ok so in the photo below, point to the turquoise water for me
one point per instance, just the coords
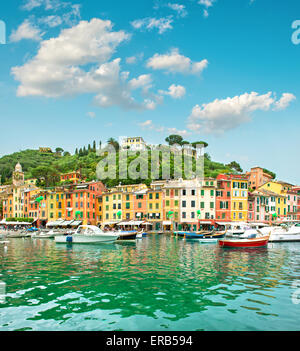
(159, 283)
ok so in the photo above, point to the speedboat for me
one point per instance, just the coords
(289, 231)
(88, 234)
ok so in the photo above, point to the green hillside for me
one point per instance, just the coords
(47, 166)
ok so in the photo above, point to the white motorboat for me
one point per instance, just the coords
(285, 232)
(88, 234)
(234, 228)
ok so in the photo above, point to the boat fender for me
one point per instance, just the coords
(69, 238)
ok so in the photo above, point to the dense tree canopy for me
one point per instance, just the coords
(47, 167)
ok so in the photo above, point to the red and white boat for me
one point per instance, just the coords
(241, 243)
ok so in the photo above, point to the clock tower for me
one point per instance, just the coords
(18, 175)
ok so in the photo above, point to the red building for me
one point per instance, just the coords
(71, 177)
(223, 198)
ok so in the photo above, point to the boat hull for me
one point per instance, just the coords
(85, 239)
(258, 242)
(127, 236)
(284, 237)
(208, 241)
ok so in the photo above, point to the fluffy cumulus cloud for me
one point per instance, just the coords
(78, 61)
(143, 81)
(222, 115)
(175, 91)
(175, 62)
(284, 101)
(161, 24)
(26, 30)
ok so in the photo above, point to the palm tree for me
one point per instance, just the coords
(114, 143)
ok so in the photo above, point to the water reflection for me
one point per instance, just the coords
(159, 282)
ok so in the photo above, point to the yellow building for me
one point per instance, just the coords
(155, 208)
(51, 205)
(239, 198)
(171, 204)
(112, 207)
(31, 181)
(60, 206)
(279, 203)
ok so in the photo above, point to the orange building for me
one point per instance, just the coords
(257, 177)
(140, 204)
(71, 177)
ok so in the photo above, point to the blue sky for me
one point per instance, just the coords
(223, 71)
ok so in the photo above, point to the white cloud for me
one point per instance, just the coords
(223, 115)
(162, 24)
(149, 125)
(26, 31)
(47, 4)
(31, 4)
(284, 101)
(174, 62)
(131, 60)
(59, 68)
(69, 13)
(143, 80)
(51, 21)
(206, 4)
(180, 9)
(175, 91)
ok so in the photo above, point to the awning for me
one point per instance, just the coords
(136, 222)
(123, 223)
(55, 223)
(3, 222)
(131, 223)
(66, 223)
(75, 223)
(109, 223)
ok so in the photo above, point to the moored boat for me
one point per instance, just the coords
(244, 243)
(88, 234)
(286, 232)
(127, 235)
(208, 241)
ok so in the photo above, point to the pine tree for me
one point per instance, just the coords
(76, 151)
(94, 146)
